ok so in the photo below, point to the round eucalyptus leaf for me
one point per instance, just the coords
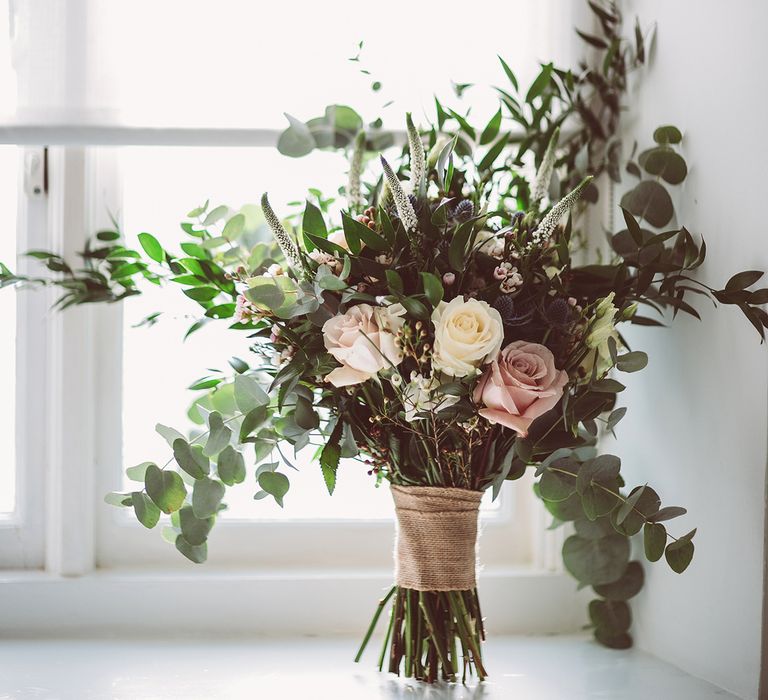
(165, 488)
(206, 497)
(617, 641)
(147, 513)
(665, 163)
(276, 484)
(593, 529)
(194, 529)
(195, 553)
(595, 562)
(649, 200)
(667, 134)
(296, 140)
(627, 586)
(612, 617)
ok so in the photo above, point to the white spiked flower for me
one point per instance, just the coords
(544, 174)
(287, 246)
(354, 198)
(403, 205)
(549, 222)
(418, 158)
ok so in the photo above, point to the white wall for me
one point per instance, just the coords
(696, 426)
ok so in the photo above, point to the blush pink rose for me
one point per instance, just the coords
(519, 386)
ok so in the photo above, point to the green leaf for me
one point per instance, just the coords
(492, 128)
(607, 386)
(206, 497)
(195, 530)
(680, 553)
(457, 251)
(556, 486)
(612, 617)
(170, 435)
(297, 140)
(667, 514)
(218, 435)
(415, 308)
(138, 472)
(433, 288)
(665, 163)
(327, 280)
(628, 506)
(230, 466)
(119, 500)
(152, 247)
(667, 134)
(190, 458)
(442, 160)
(101, 235)
(304, 415)
(238, 365)
(647, 504)
(165, 488)
(632, 361)
(360, 231)
(216, 214)
(147, 513)
(265, 293)
(195, 553)
(313, 221)
(202, 293)
(742, 280)
(276, 484)
(249, 393)
(510, 74)
(253, 420)
(654, 540)
(233, 229)
(540, 83)
(627, 586)
(330, 456)
(394, 282)
(596, 562)
(650, 201)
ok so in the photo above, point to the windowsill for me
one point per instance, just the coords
(519, 667)
(278, 602)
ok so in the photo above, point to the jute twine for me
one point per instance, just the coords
(436, 537)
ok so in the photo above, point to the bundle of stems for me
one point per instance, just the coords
(431, 634)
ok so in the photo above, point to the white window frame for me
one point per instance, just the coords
(84, 346)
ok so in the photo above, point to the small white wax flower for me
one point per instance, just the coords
(396, 379)
(448, 279)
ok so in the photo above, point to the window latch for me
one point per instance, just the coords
(36, 172)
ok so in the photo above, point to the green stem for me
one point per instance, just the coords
(374, 621)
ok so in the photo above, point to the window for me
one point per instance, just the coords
(141, 134)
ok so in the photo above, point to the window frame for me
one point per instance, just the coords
(82, 458)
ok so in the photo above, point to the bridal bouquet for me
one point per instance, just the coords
(451, 330)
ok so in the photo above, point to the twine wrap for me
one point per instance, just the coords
(436, 537)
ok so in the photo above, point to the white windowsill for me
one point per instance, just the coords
(554, 668)
(519, 600)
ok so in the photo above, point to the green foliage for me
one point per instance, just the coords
(165, 488)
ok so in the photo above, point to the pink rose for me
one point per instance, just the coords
(364, 342)
(520, 385)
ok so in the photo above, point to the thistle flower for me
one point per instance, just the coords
(464, 209)
(544, 174)
(418, 158)
(549, 222)
(354, 199)
(403, 205)
(287, 246)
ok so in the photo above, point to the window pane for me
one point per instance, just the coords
(159, 186)
(9, 175)
(244, 64)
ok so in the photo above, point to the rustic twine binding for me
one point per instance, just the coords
(436, 537)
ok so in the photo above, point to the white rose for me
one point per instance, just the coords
(364, 342)
(467, 334)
